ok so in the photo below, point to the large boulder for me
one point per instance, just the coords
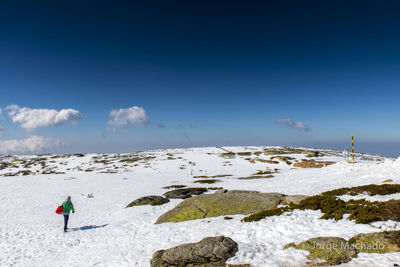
(380, 242)
(185, 192)
(148, 200)
(327, 250)
(336, 250)
(213, 205)
(210, 251)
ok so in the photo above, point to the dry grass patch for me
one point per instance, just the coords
(174, 186)
(245, 154)
(229, 155)
(268, 161)
(220, 175)
(252, 177)
(313, 164)
(207, 181)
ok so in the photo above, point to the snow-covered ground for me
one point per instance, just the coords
(104, 233)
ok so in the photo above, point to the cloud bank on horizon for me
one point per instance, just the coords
(294, 124)
(28, 145)
(31, 119)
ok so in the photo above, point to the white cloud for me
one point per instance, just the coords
(128, 116)
(30, 144)
(31, 119)
(1, 111)
(294, 124)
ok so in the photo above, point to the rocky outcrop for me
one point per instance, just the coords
(335, 250)
(313, 164)
(212, 205)
(210, 251)
(380, 242)
(148, 200)
(328, 250)
(184, 192)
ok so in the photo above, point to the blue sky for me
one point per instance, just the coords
(204, 73)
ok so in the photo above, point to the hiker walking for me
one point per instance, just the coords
(67, 206)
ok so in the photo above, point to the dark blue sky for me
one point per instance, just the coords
(205, 72)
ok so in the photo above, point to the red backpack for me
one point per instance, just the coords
(59, 210)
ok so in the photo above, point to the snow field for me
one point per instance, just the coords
(104, 233)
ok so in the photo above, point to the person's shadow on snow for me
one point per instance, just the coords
(88, 227)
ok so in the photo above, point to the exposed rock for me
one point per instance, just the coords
(156, 260)
(313, 164)
(174, 186)
(335, 250)
(210, 251)
(329, 250)
(212, 205)
(295, 199)
(381, 242)
(148, 200)
(184, 192)
(221, 191)
(207, 181)
(253, 177)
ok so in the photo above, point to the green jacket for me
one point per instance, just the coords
(67, 207)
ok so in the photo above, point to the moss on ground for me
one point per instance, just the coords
(220, 175)
(174, 186)
(245, 154)
(266, 213)
(255, 177)
(334, 250)
(371, 190)
(380, 242)
(328, 250)
(207, 181)
(361, 211)
(130, 160)
(313, 164)
(284, 159)
(229, 155)
(266, 172)
(312, 154)
(268, 161)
